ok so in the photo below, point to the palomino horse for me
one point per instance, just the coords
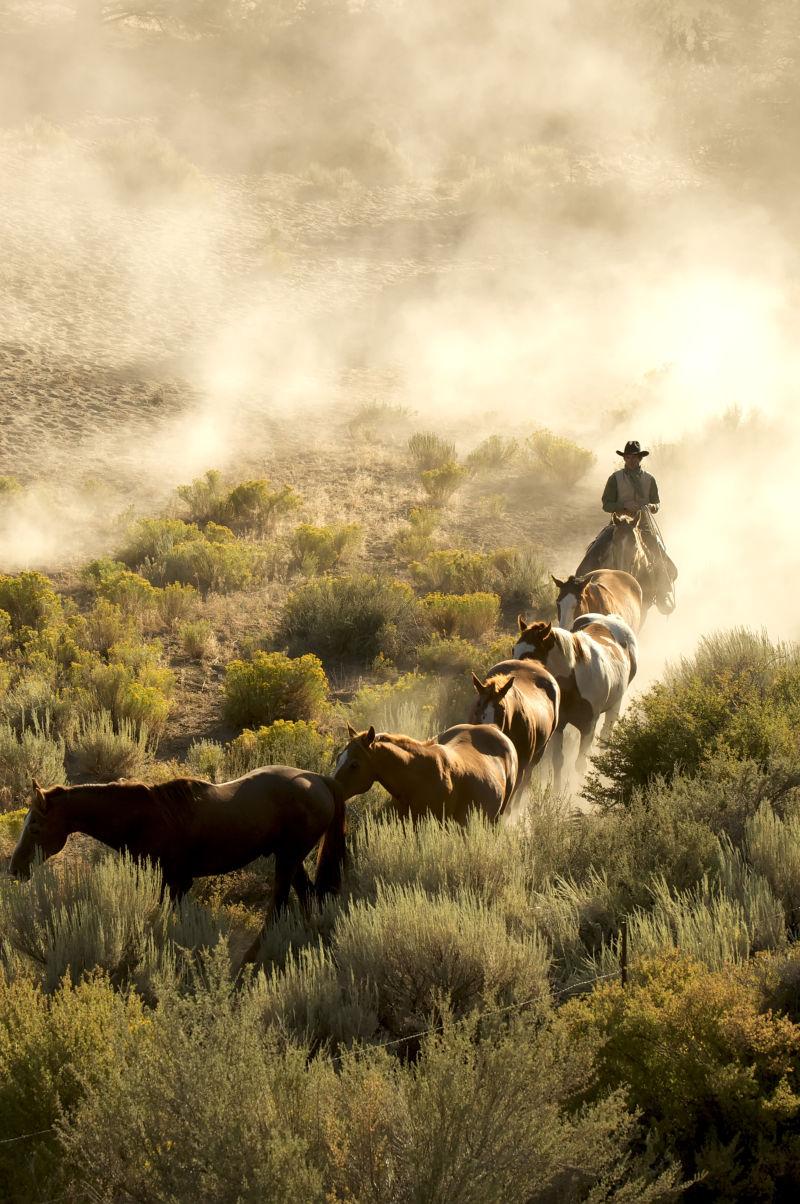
(620, 546)
(522, 698)
(191, 828)
(468, 765)
(602, 592)
(593, 666)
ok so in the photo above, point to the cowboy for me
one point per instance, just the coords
(631, 490)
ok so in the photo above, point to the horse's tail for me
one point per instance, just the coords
(333, 850)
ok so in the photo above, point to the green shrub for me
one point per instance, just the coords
(205, 496)
(518, 578)
(485, 1122)
(176, 603)
(491, 455)
(30, 601)
(33, 753)
(112, 915)
(208, 563)
(142, 163)
(274, 686)
(772, 847)
(253, 506)
(104, 625)
(132, 593)
(103, 750)
(35, 702)
(150, 539)
(320, 549)
(559, 459)
(415, 704)
(351, 618)
(198, 639)
(379, 422)
(97, 573)
(416, 954)
(139, 694)
(469, 616)
(283, 742)
(447, 656)
(52, 1049)
(415, 541)
(428, 450)
(455, 571)
(717, 1081)
(208, 1107)
(441, 483)
(739, 693)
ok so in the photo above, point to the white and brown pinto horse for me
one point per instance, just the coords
(593, 665)
(602, 592)
(523, 699)
(469, 765)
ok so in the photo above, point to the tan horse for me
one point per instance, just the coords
(191, 828)
(593, 667)
(603, 592)
(522, 698)
(469, 765)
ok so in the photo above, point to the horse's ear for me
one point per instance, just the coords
(477, 683)
(351, 731)
(369, 737)
(40, 801)
(636, 521)
(548, 628)
(615, 519)
(558, 584)
(501, 693)
(522, 623)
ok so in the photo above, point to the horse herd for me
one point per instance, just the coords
(558, 675)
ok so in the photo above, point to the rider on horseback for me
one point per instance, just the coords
(631, 491)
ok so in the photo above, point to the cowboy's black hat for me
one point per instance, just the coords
(633, 448)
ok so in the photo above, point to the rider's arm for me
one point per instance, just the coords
(655, 500)
(610, 496)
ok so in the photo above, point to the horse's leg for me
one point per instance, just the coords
(557, 747)
(611, 717)
(304, 888)
(587, 730)
(285, 869)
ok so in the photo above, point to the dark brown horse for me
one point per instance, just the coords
(191, 828)
(602, 592)
(469, 765)
(522, 698)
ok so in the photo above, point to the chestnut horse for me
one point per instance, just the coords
(593, 666)
(603, 592)
(467, 765)
(190, 828)
(522, 698)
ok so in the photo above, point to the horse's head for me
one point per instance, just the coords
(354, 769)
(568, 600)
(535, 640)
(625, 541)
(45, 830)
(490, 706)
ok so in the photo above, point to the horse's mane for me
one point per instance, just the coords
(176, 797)
(498, 679)
(407, 743)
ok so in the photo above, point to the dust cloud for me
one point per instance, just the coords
(218, 220)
